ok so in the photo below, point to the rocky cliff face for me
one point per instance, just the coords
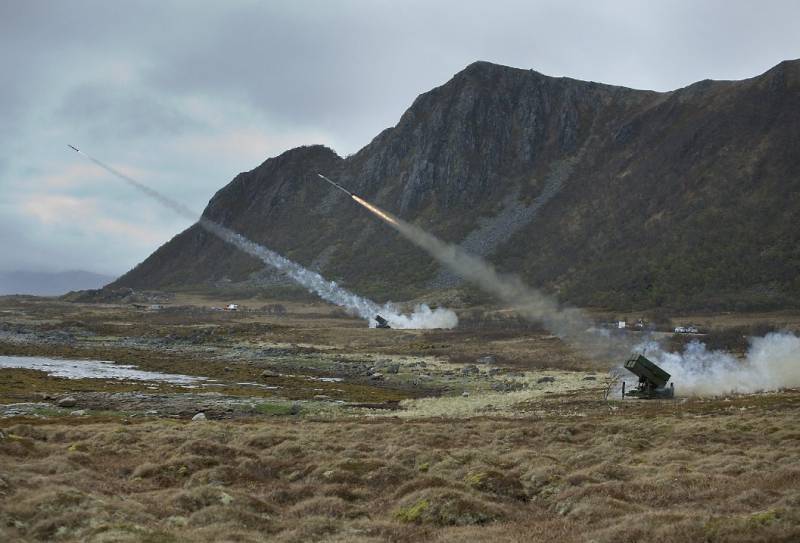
(603, 194)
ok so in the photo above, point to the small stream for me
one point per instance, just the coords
(94, 369)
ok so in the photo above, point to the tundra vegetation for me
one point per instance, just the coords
(318, 429)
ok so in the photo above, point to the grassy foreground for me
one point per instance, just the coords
(714, 470)
(320, 429)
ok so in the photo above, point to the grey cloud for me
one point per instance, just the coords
(108, 111)
(341, 71)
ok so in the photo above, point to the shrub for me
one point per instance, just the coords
(446, 507)
(497, 483)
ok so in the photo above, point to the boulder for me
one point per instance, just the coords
(67, 401)
(199, 417)
(507, 386)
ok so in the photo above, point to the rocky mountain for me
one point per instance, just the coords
(605, 195)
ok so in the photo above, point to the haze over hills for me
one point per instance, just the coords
(605, 195)
(50, 283)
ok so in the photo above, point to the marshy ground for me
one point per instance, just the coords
(318, 429)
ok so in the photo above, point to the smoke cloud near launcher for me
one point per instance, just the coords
(772, 363)
(423, 317)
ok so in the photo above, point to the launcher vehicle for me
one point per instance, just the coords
(381, 322)
(652, 379)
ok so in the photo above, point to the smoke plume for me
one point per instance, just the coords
(570, 324)
(423, 317)
(772, 363)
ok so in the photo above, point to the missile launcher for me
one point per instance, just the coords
(652, 379)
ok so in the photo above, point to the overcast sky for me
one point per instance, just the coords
(182, 95)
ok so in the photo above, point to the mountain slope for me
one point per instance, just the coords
(606, 195)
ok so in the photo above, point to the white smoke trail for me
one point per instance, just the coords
(772, 363)
(423, 316)
(568, 323)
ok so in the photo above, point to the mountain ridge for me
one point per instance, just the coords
(637, 218)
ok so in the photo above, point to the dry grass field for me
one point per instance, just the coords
(437, 449)
(696, 471)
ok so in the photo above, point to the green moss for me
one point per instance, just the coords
(497, 483)
(446, 507)
(475, 479)
(764, 517)
(413, 512)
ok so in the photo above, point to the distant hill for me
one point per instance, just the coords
(604, 195)
(49, 284)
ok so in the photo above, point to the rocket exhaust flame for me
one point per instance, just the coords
(422, 317)
(377, 211)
